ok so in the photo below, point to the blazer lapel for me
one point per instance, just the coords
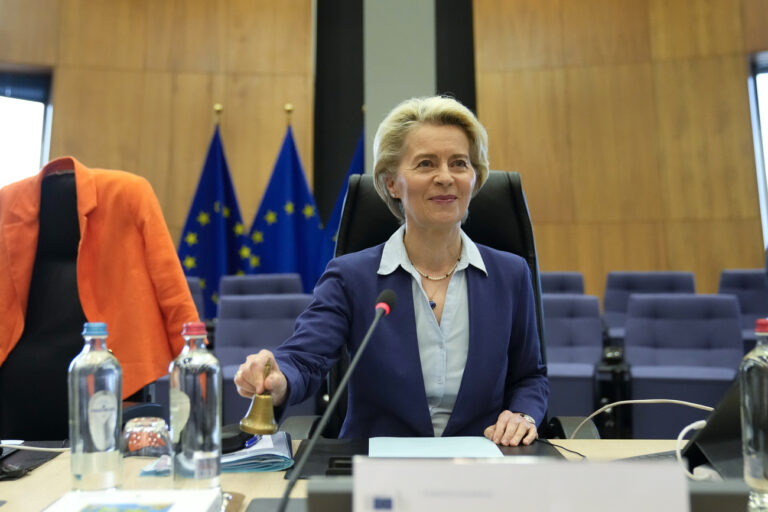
(20, 231)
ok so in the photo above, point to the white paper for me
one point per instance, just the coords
(432, 447)
(207, 500)
(509, 484)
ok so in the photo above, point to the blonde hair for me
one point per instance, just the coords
(389, 143)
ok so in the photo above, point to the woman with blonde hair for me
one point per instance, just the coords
(460, 354)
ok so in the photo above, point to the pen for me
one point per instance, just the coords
(252, 441)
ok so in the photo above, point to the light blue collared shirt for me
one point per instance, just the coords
(442, 347)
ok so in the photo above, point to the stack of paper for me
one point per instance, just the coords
(268, 453)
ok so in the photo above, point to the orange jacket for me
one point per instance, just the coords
(128, 273)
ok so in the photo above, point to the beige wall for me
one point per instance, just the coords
(134, 83)
(629, 122)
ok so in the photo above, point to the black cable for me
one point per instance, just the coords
(553, 445)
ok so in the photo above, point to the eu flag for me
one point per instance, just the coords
(331, 229)
(285, 234)
(213, 242)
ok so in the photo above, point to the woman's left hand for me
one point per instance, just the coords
(510, 429)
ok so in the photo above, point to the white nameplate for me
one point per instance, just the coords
(517, 483)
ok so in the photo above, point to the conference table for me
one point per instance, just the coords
(45, 484)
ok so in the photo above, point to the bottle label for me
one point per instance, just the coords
(102, 419)
(179, 412)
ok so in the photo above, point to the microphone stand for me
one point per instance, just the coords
(380, 312)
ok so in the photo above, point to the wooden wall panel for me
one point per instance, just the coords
(687, 28)
(706, 248)
(135, 82)
(192, 125)
(29, 31)
(254, 136)
(572, 247)
(96, 118)
(705, 140)
(106, 34)
(514, 34)
(154, 143)
(605, 32)
(613, 152)
(657, 170)
(266, 36)
(186, 35)
(528, 132)
(754, 21)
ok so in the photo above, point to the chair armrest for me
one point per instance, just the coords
(561, 427)
(300, 427)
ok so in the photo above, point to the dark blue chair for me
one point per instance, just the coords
(750, 287)
(196, 289)
(247, 324)
(562, 282)
(683, 347)
(574, 346)
(620, 285)
(260, 284)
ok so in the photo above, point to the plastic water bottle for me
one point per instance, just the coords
(95, 410)
(753, 375)
(195, 389)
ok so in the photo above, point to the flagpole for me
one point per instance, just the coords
(288, 111)
(218, 108)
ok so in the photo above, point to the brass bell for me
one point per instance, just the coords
(261, 415)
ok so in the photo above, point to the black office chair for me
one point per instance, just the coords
(498, 217)
(33, 378)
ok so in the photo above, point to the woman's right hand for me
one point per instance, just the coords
(250, 379)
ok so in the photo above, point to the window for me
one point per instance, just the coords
(24, 124)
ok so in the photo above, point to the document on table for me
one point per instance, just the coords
(432, 447)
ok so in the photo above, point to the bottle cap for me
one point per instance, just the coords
(194, 329)
(761, 325)
(94, 329)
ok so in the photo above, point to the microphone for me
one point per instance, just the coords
(384, 304)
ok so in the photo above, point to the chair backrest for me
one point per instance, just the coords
(574, 330)
(196, 289)
(683, 330)
(260, 283)
(620, 285)
(53, 323)
(247, 322)
(562, 282)
(750, 287)
(498, 217)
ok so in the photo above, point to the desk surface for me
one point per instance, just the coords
(45, 484)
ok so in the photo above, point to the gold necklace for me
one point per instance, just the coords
(427, 276)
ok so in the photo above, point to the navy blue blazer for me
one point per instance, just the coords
(386, 392)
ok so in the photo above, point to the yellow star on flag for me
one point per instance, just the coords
(191, 238)
(255, 261)
(308, 210)
(226, 212)
(289, 207)
(190, 262)
(245, 252)
(257, 237)
(203, 218)
(215, 298)
(240, 272)
(239, 229)
(270, 217)
(202, 283)
(217, 206)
